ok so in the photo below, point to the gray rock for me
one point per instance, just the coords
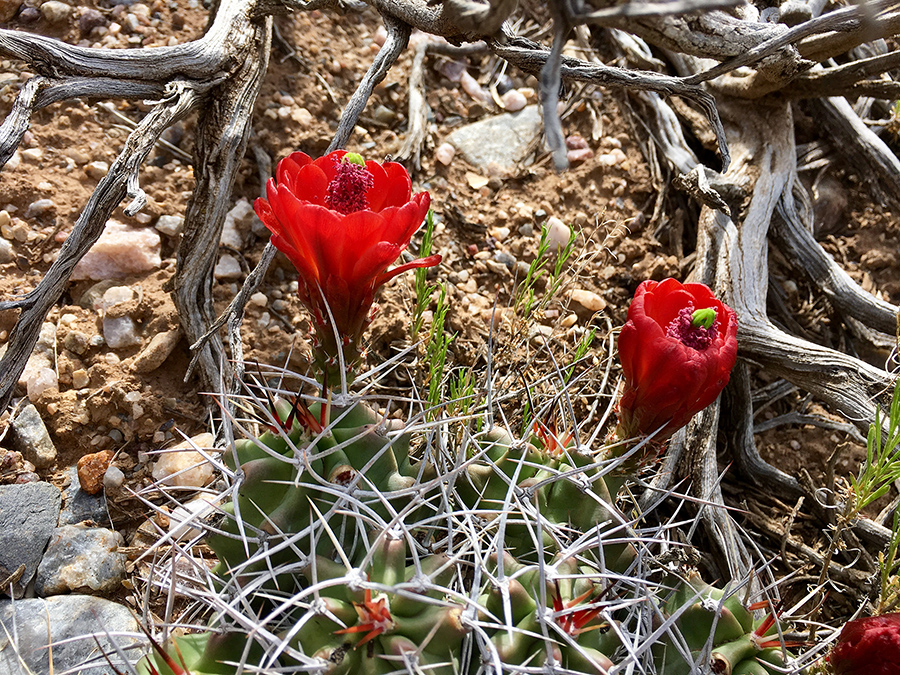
(170, 225)
(39, 207)
(90, 19)
(79, 506)
(500, 142)
(28, 515)
(31, 438)
(81, 558)
(25, 634)
(120, 332)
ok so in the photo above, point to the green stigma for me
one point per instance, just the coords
(703, 318)
(354, 158)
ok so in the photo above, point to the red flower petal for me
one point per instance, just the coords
(667, 381)
(341, 258)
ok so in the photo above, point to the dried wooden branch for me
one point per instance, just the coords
(182, 99)
(531, 57)
(219, 74)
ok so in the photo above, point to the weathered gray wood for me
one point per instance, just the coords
(220, 73)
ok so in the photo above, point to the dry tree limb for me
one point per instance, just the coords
(861, 147)
(116, 185)
(417, 116)
(848, 78)
(808, 257)
(531, 57)
(223, 131)
(218, 73)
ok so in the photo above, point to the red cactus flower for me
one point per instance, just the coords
(868, 646)
(677, 350)
(374, 619)
(342, 222)
(572, 620)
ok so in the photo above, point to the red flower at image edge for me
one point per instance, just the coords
(676, 358)
(342, 223)
(868, 646)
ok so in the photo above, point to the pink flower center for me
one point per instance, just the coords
(347, 191)
(684, 329)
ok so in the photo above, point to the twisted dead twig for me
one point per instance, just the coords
(218, 73)
(87, 230)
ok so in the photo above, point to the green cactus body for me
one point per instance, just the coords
(576, 502)
(737, 645)
(373, 625)
(274, 503)
(209, 653)
(579, 640)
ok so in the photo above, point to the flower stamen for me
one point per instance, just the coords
(348, 190)
(694, 329)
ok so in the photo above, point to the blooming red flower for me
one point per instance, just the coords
(868, 646)
(342, 222)
(677, 350)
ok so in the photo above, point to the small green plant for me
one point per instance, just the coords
(526, 300)
(888, 568)
(876, 475)
(462, 398)
(424, 290)
(580, 350)
(436, 351)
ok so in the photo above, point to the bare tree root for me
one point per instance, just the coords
(121, 181)
(219, 73)
(224, 127)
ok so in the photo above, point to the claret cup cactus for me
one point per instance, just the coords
(354, 542)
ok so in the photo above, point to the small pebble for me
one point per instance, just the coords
(113, 478)
(578, 156)
(55, 12)
(513, 100)
(499, 233)
(91, 469)
(259, 299)
(576, 142)
(76, 342)
(588, 299)
(227, 268)
(115, 296)
(7, 253)
(80, 379)
(444, 153)
(96, 170)
(29, 15)
(170, 225)
(183, 466)
(5, 218)
(612, 158)
(182, 517)
(569, 320)
(39, 208)
(120, 332)
(558, 233)
(473, 89)
(32, 154)
(13, 162)
(90, 19)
